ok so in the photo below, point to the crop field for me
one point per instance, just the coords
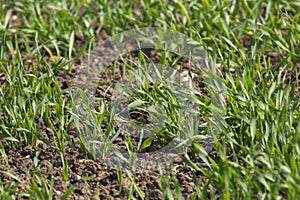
(195, 99)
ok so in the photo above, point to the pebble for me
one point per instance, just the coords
(77, 177)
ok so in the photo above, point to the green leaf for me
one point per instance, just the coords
(71, 44)
(68, 193)
(146, 143)
(253, 128)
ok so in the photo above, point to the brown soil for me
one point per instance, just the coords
(101, 181)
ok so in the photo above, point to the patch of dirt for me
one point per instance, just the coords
(91, 178)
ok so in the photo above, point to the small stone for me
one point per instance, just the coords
(77, 177)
